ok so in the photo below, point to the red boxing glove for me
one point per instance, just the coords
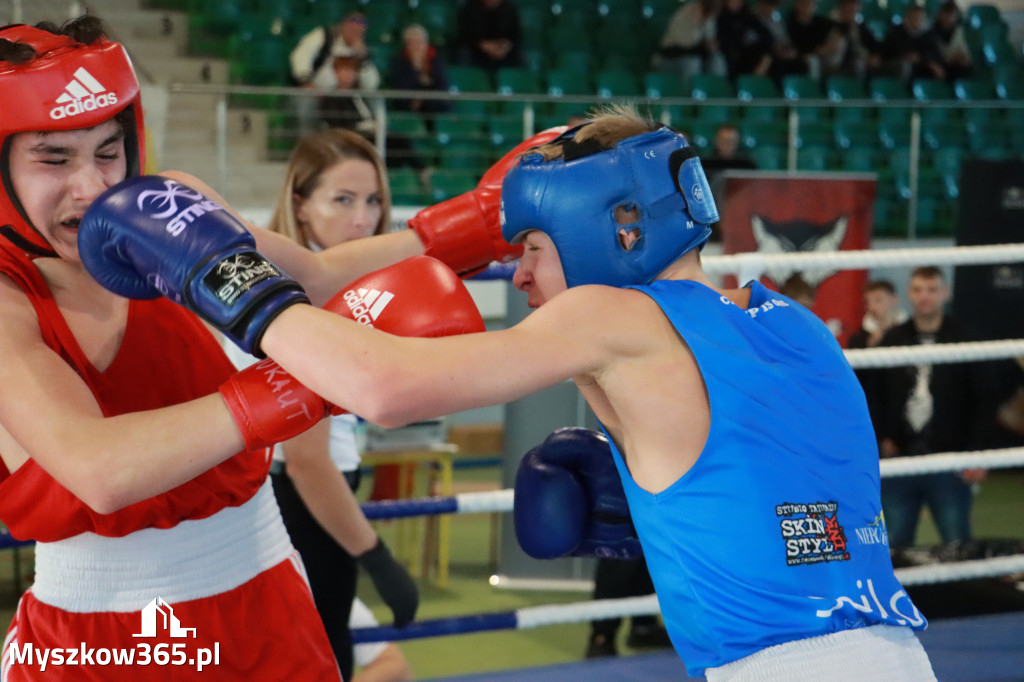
(270, 405)
(464, 232)
(419, 296)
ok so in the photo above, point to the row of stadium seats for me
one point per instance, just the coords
(570, 36)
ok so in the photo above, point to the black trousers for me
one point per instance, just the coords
(617, 579)
(332, 571)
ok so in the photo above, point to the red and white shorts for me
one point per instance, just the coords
(222, 598)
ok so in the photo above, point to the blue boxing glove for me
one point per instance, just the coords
(150, 236)
(569, 500)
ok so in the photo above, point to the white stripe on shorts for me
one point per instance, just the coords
(198, 558)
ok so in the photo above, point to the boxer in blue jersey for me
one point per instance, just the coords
(738, 430)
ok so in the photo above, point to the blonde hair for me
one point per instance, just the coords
(607, 126)
(313, 155)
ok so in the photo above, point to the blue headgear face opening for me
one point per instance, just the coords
(574, 200)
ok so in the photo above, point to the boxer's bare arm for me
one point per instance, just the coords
(321, 274)
(49, 414)
(391, 380)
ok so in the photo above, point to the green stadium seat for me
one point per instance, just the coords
(894, 133)
(562, 82)
(504, 132)
(708, 86)
(981, 14)
(559, 7)
(406, 189)
(946, 162)
(756, 133)
(813, 158)
(617, 83)
(472, 157)
(855, 134)
(884, 89)
(535, 59)
(662, 84)
(575, 60)
(815, 134)
(265, 61)
(797, 88)
(618, 7)
(437, 16)
(752, 88)
(448, 183)
(562, 37)
(469, 79)
(517, 81)
(859, 159)
(769, 157)
(932, 90)
(455, 129)
(700, 135)
(384, 21)
(221, 17)
(843, 89)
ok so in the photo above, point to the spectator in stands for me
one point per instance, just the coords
(814, 37)
(743, 40)
(925, 409)
(490, 34)
(420, 66)
(860, 51)
(947, 33)
(909, 52)
(726, 154)
(799, 289)
(882, 313)
(312, 62)
(782, 57)
(349, 110)
(689, 45)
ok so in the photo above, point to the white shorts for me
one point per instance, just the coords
(879, 652)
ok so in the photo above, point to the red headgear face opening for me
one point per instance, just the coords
(67, 86)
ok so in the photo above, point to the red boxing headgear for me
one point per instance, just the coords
(68, 86)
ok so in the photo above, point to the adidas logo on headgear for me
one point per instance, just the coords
(367, 304)
(83, 93)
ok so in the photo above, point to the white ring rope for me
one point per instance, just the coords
(852, 260)
(600, 609)
(938, 353)
(961, 570)
(1003, 458)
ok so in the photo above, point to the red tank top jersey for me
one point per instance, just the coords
(166, 357)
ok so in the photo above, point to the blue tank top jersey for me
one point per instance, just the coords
(776, 533)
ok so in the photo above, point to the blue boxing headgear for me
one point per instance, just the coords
(573, 200)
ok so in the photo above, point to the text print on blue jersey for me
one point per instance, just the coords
(812, 533)
(867, 589)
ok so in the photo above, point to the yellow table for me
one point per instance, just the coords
(441, 457)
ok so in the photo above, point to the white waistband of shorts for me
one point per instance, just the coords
(194, 559)
(876, 652)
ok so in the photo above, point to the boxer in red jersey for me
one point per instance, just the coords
(129, 449)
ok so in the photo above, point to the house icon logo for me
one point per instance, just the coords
(160, 612)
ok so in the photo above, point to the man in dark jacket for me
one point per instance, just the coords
(929, 408)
